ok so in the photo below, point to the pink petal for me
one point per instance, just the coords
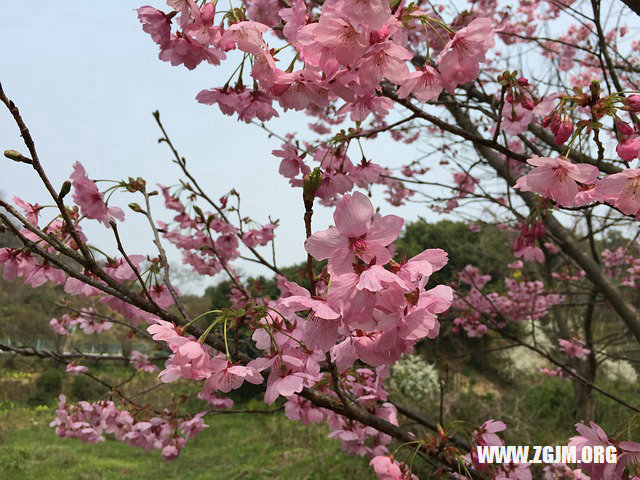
(323, 244)
(353, 215)
(385, 230)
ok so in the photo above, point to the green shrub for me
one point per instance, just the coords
(84, 388)
(48, 387)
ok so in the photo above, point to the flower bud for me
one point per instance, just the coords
(564, 131)
(198, 211)
(528, 104)
(518, 244)
(17, 157)
(623, 127)
(65, 189)
(633, 102)
(136, 208)
(539, 230)
(628, 149)
(312, 182)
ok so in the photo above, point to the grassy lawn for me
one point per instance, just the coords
(238, 446)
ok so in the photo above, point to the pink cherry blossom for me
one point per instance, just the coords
(161, 295)
(622, 190)
(247, 36)
(141, 361)
(387, 468)
(295, 18)
(215, 401)
(387, 60)
(43, 273)
(556, 178)
(32, 211)
(365, 13)
(227, 377)
(459, 61)
(331, 40)
(156, 24)
(425, 85)
(573, 348)
(184, 50)
(363, 106)
(628, 148)
(356, 234)
(302, 410)
(73, 369)
(90, 199)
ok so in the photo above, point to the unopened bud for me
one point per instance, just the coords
(65, 189)
(624, 127)
(528, 104)
(17, 157)
(312, 182)
(136, 208)
(633, 102)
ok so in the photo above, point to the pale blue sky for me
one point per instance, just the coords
(86, 79)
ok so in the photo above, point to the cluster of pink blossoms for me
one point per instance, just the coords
(140, 361)
(627, 453)
(623, 265)
(85, 320)
(20, 262)
(486, 436)
(207, 242)
(90, 422)
(576, 184)
(524, 245)
(523, 301)
(359, 310)
(346, 51)
(573, 348)
(364, 305)
(355, 438)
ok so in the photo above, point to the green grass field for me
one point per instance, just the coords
(238, 446)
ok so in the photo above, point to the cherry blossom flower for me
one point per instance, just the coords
(459, 61)
(573, 348)
(32, 211)
(356, 234)
(141, 361)
(73, 369)
(184, 50)
(425, 85)
(556, 178)
(332, 39)
(227, 377)
(364, 13)
(387, 468)
(247, 36)
(90, 200)
(295, 18)
(622, 190)
(215, 401)
(302, 410)
(155, 23)
(43, 273)
(161, 295)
